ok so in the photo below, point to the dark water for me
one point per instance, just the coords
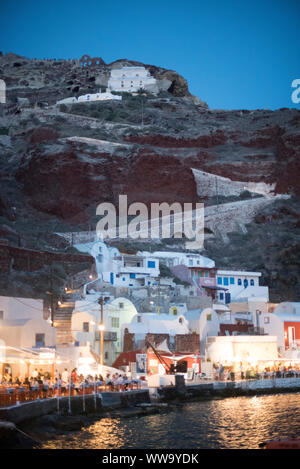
(241, 423)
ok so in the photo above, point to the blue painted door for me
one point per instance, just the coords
(112, 278)
(227, 298)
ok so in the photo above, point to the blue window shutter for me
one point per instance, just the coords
(219, 280)
(151, 265)
(231, 280)
(225, 280)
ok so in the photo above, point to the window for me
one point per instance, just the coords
(106, 355)
(1, 314)
(226, 281)
(239, 281)
(40, 340)
(124, 279)
(151, 264)
(121, 305)
(266, 320)
(115, 322)
(190, 261)
(252, 282)
(139, 319)
(85, 327)
(221, 296)
(206, 274)
(220, 281)
(231, 280)
(208, 317)
(132, 275)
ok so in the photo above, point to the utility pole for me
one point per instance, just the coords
(142, 112)
(217, 194)
(101, 330)
(158, 309)
(51, 298)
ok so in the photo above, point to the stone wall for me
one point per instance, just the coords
(128, 342)
(225, 218)
(209, 185)
(187, 343)
(156, 339)
(15, 258)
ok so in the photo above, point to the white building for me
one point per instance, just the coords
(107, 96)
(22, 323)
(173, 258)
(241, 348)
(2, 92)
(240, 286)
(284, 323)
(151, 323)
(85, 98)
(130, 79)
(23, 333)
(134, 271)
(122, 270)
(86, 319)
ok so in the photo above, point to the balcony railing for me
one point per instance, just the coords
(108, 336)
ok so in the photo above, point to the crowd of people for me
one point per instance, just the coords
(244, 371)
(41, 384)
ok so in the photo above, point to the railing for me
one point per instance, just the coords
(11, 395)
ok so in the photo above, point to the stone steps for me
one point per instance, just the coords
(62, 322)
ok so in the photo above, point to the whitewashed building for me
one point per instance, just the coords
(240, 286)
(23, 332)
(2, 92)
(22, 323)
(107, 96)
(173, 258)
(130, 79)
(241, 348)
(91, 97)
(85, 322)
(284, 323)
(152, 323)
(122, 270)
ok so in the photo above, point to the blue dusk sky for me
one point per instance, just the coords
(234, 54)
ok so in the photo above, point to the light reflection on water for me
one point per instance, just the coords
(240, 423)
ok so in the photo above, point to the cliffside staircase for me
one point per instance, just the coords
(62, 322)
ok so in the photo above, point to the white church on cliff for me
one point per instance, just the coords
(130, 79)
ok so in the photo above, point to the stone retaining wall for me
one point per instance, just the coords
(78, 405)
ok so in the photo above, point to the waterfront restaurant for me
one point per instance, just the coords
(15, 361)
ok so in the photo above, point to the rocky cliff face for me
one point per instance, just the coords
(58, 164)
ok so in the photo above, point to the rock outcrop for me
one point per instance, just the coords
(57, 164)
